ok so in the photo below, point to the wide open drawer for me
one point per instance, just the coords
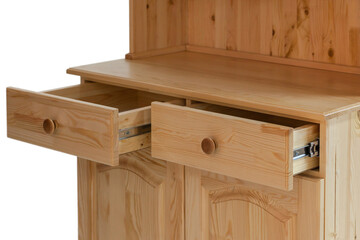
(93, 121)
(246, 145)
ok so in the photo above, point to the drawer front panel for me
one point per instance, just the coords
(246, 149)
(83, 129)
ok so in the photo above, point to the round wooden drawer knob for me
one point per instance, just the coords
(49, 126)
(208, 145)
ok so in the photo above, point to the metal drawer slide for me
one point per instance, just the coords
(310, 150)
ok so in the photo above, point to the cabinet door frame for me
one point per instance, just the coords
(301, 211)
(165, 180)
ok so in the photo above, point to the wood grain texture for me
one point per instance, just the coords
(252, 85)
(134, 118)
(156, 24)
(273, 59)
(318, 31)
(156, 52)
(123, 99)
(251, 150)
(134, 143)
(137, 117)
(294, 123)
(342, 193)
(142, 198)
(86, 174)
(227, 208)
(82, 120)
(84, 129)
(303, 131)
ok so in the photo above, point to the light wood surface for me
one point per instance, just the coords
(156, 52)
(84, 129)
(253, 80)
(294, 123)
(318, 31)
(303, 134)
(134, 143)
(251, 150)
(342, 193)
(272, 59)
(156, 25)
(82, 120)
(87, 196)
(135, 117)
(220, 207)
(263, 87)
(142, 198)
(322, 35)
(116, 97)
(128, 101)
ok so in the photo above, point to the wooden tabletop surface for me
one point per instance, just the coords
(297, 92)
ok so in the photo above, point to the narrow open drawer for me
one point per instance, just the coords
(246, 145)
(93, 121)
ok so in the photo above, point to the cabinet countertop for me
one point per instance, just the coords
(290, 91)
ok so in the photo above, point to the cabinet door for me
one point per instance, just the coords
(223, 208)
(141, 199)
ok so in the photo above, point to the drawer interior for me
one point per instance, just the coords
(123, 99)
(303, 132)
(134, 106)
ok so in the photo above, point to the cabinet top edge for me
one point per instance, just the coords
(297, 92)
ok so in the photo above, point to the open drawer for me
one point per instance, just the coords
(255, 147)
(93, 121)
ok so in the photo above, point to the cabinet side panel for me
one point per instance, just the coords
(342, 194)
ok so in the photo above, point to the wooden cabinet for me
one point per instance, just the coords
(141, 199)
(261, 85)
(220, 207)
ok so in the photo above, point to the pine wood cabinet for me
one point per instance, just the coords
(236, 119)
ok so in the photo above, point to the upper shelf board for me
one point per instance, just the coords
(259, 86)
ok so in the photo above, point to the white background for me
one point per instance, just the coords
(39, 40)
